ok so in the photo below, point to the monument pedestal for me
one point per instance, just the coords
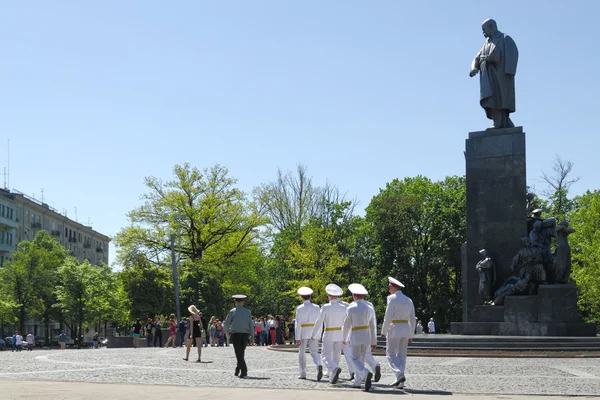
(552, 312)
(496, 215)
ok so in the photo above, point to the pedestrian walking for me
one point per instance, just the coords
(329, 324)
(360, 331)
(306, 315)
(30, 339)
(373, 364)
(172, 331)
(264, 333)
(195, 333)
(158, 331)
(291, 331)
(136, 331)
(13, 341)
(239, 327)
(431, 326)
(19, 341)
(181, 330)
(398, 329)
(95, 340)
(149, 329)
(272, 329)
(419, 329)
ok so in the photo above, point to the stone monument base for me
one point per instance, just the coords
(552, 312)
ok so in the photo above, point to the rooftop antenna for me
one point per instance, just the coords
(89, 221)
(5, 178)
(76, 214)
(42, 195)
(8, 172)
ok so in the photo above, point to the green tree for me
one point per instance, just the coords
(585, 244)
(417, 229)
(30, 276)
(149, 287)
(77, 294)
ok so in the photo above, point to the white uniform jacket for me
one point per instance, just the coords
(306, 316)
(359, 325)
(399, 320)
(332, 316)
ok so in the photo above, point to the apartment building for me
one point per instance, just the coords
(22, 217)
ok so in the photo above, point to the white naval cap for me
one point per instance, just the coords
(334, 290)
(305, 291)
(537, 211)
(357, 288)
(239, 296)
(395, 282)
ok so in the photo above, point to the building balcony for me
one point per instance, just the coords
(6, 248)
(55, 233)
(87, 245)
(7, 224)
(99, 250)
(36, 225)
(72, 240)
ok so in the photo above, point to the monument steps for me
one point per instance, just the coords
(464, 342)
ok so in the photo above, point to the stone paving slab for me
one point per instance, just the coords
(20, 390)
(278, 370)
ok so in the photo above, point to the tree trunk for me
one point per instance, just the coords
(22, 319)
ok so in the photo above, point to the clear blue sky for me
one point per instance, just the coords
(95, 95)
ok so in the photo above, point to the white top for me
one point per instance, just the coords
(399, 317)
(30, 339)
(19, 340)
(330, 322)
(306, 317)
(431, 326)
(360, 315)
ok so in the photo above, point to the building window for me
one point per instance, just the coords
(27, 216)
(66, 231)
(26, 234)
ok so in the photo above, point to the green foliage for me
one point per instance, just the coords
(149, 288)
(417, 228)
(585, 244)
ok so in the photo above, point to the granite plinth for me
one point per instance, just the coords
(496, 215)
(524, 328)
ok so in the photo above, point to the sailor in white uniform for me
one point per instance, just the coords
(347, 350)
(306, 316)
(329, 324)
(398, 327)
(369, 359)
(360, 330)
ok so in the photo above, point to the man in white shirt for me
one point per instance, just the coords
(360, 330)
(306, 316)
(369, 359)
(19, 341)
(431, 326)
(30, 341)
(329, 324)
(398, 328)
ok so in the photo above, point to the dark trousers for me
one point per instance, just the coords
(239, 342)
(182, 338)
(158, 338)
(149, 340)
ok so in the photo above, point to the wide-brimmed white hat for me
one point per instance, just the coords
(239, 296)
(192, 309)
(334, 290)
(395, 282)
(357, 288)
(305, 291)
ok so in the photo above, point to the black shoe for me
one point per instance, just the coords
(397, 382)
(185, 359)
(198, 361)
(351, 376)
(336, 376)
(319, 373)
(237, 371)
(368, 381)
(243, 375)
(377, 373)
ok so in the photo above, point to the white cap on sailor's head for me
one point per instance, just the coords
(238, 296)
(305, 291)
(334, 290)
(395, 282)
(536, 211)
(357, 288)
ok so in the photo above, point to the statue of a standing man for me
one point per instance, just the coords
(496, 63)
(487, 275)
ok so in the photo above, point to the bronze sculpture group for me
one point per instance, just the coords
(534, 264)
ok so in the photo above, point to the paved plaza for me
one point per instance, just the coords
(278, 370)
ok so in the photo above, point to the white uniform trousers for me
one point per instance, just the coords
(348, 357)
(370, 360)
(359, 351)
(331, 353)
(395, 351)
(313, 348)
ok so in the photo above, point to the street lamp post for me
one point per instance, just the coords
(175, 278)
